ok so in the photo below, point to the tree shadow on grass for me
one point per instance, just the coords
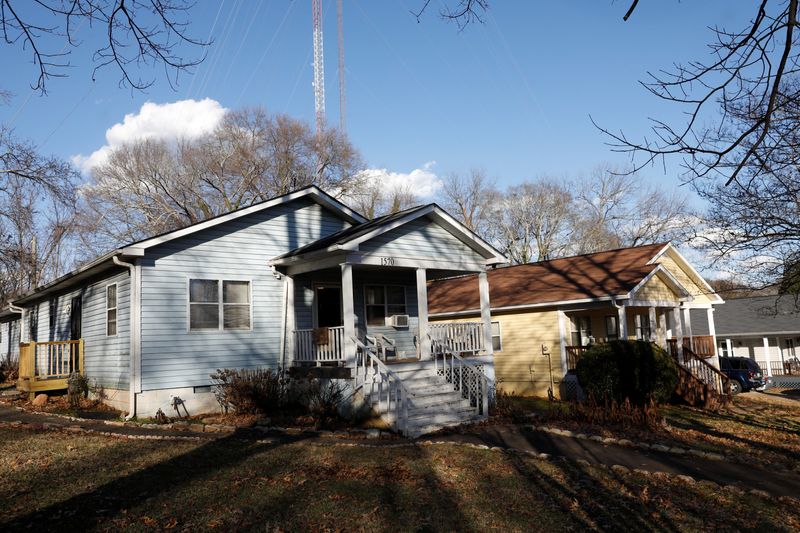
(152, 482)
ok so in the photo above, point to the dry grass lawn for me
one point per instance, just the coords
(66, 481)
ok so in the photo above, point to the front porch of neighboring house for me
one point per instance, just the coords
(46, 366)
(668, 326)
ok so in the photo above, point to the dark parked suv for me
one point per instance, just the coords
(745, 374)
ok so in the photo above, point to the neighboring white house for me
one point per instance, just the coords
(765, 329)
(300, 281)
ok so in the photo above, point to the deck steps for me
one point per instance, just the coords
(434, 403)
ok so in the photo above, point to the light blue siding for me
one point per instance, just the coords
(422, 238)
(107, 358)
(174, 357)
(9, 340)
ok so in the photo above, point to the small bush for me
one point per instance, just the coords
(625, 414)
(506, 405)
(323, 401)
(9, 370)
(77, 388)
(249, 391)
(636, 371)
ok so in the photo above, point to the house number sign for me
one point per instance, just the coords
(387, 261)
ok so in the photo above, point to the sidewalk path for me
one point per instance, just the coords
(721, 472)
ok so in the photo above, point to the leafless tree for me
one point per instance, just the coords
(472, 199)
(371, 196)
(614, 209)
(36, 215)
(533, 220)
(133, 33)
(150, 186)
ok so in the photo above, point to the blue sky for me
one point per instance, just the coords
(512, 96)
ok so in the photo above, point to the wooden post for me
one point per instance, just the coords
(678, 333)
(422, 314)
(687, 326)
(651, 317)
(348, 316)
(81, 358)
(623, 322)
(712, 330)
(288, 344)
(486, 312)
(766, 356)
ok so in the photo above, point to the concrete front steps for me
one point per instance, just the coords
(434, 404)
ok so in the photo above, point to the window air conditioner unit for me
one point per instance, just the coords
(400, 321)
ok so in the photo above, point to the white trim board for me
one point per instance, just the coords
(313, 193)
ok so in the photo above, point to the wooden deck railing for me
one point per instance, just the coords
(705, 372)
(458, 337)
(573, 354)
(308, 347)
(47, 365)
(703, 345)
(785, 368)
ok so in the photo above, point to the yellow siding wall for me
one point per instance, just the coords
(684, 278)
(521, 367)
(657, 290)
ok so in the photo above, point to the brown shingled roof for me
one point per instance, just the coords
(602, 274)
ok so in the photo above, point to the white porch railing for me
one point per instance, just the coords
(465, 377)
(307, 349)
(382, 387)
(458, 337)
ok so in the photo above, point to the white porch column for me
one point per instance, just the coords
(651, 315)
(288, 343)
(729, 345)
(348, 316)
(662, 326)
(486, 312)
(623, 322)
(712, 330)
(687, 326)
(562, 333)
(677, 329)
(767, 358)
(422, 313)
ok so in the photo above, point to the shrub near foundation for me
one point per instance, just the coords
(637, 371)
(250, 391)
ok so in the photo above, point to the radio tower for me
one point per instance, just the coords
(341, 65)
(319, 67)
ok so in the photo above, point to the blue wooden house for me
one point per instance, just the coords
(299, 281)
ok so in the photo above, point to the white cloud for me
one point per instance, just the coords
(184, 119)
(422, 182)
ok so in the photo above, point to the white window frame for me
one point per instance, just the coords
(115, 308)
(386, 314)
(221, 321)
(639, 321)
(615, 319)
(499, 336)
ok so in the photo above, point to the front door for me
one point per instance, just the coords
(328, 306)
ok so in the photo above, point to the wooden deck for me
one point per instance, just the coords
(46, 366)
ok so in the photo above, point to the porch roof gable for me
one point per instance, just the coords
(349, 239)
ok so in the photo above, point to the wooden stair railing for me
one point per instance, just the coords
(701, 383)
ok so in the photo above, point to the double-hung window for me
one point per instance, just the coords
(611, 327)
(581, 331)
(219, 304)
(384, 301)
(497, 338)
(111, 310)
(643, 327)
